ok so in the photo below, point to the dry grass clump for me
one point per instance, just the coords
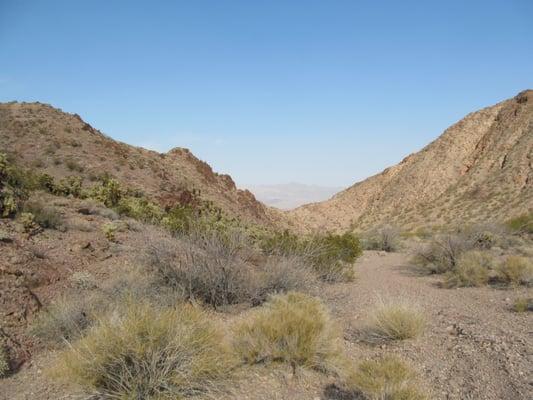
(64, 320)
(45, 216)
(523, 304)
(292, 328)
(472, 269)
(394, 320)
(385, 238)
(4, 361)
(387, 378)
(515, 270)
(149, 353)
(283, 274)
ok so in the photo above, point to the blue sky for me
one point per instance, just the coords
(318, 92)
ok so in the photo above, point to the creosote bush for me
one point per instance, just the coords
(522, 224)
(385, 238)
(387, 378)
(394, 320)
(330, 255)
(442, 253)
(292, 328)
(204, 268)
(515, 270)
(151, 354)
(472, 269)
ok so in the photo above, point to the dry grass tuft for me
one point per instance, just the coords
(523, 304)
(394, 320)
(149, 353)
(293, 328)
(4, 361)
(388, 378)
(472, 269)
(515, 270)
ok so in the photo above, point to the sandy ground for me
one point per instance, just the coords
(474, 347)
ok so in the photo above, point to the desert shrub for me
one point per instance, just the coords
(148, 353)
(282, 274)
(385, 238)
(43, 215)
(73, 165)
(330, 255)
(292, 328)
(4, 361)
(385, 378)
(202, 267)
(69, 186)
(515, 270)
(83, 280)
(27, 220)
(442, 253)
(521, 224)
(66, 319)
(140, 209)
(13, 187)
(472, 269)
(523, 304)
(110, 230)
(394, 320)
(108, 192)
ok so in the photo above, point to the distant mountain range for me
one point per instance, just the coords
(290, 195)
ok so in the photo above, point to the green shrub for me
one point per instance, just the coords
(108, 192)
(472, 269)
(523, 304)
(394, 320)
(140, 209)
(148, 353)
(387, 378)
(69, 186)
(292, 328)
(45, 216)
(330, 255)
(13, 187)
(27, 220)
(110, 230)
(515, 270)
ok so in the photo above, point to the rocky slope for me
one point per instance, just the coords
(62, 144)
(479, 169)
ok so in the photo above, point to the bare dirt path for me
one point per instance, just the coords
(474, 347)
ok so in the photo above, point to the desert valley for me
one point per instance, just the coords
(131, 274)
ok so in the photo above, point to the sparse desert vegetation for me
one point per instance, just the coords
(172, 283)
(386, 378)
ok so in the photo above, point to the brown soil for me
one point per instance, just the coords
(474, 347)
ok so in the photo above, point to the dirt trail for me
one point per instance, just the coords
(474, 346)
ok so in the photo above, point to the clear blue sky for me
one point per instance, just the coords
(319, 92)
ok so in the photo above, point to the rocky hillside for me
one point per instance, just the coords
(479, 169)
(62, 144)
